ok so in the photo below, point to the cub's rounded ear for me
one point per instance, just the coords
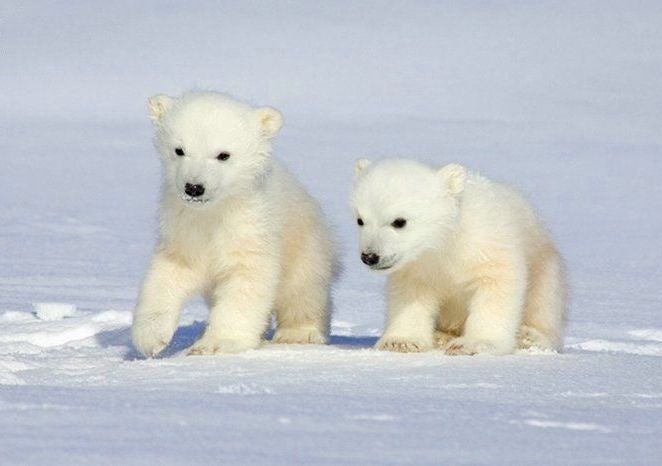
(360, 165)
(270, 121)
(159, 105)
(454, 177)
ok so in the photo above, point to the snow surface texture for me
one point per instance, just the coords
(562, 99)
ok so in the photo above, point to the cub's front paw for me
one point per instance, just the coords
(463, 346)
(207, 345)
(442, 338)
(151, 336)
(301, 336)
(530, 338)
(402, 345)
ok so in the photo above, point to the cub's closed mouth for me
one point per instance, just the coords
(382, 267)
(195, 200)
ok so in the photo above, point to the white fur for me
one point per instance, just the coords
(255, 242)
(472, 271)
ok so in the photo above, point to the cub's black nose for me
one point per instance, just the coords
(369, 259)
(194, 190)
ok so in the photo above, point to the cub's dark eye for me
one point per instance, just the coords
(179, 151)
(223, 156)
(359, 221)
(399, 223)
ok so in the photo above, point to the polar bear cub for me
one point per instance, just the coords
(470, 267)
(235, 227)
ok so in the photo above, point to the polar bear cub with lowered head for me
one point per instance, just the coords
(236, 227)
(470, 267)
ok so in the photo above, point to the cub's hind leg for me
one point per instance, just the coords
(542, 325)
(303, 303)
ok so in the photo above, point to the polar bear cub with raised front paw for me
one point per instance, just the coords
(470, 267)
(235, 227)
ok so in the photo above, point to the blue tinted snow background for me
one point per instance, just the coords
(561, 99)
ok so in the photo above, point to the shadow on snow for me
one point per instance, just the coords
(186, 335)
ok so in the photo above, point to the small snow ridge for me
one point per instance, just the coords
(244, 389)
(651, 334)
(644, 349)
(57, 325)
(342, 328)
(7, 369)
(342, 324)
(374, 417)
(470, 385)
(645, 395)
(13, 366)
(647, 349)
(115, 317)
(567, 425)
(48, 339)
(53, 311)
(583, 394)
(32, 407)
(16, 316)
(7, 378)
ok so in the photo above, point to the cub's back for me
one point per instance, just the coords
(498, 215)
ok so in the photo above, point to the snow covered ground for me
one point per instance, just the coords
(562, 99)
